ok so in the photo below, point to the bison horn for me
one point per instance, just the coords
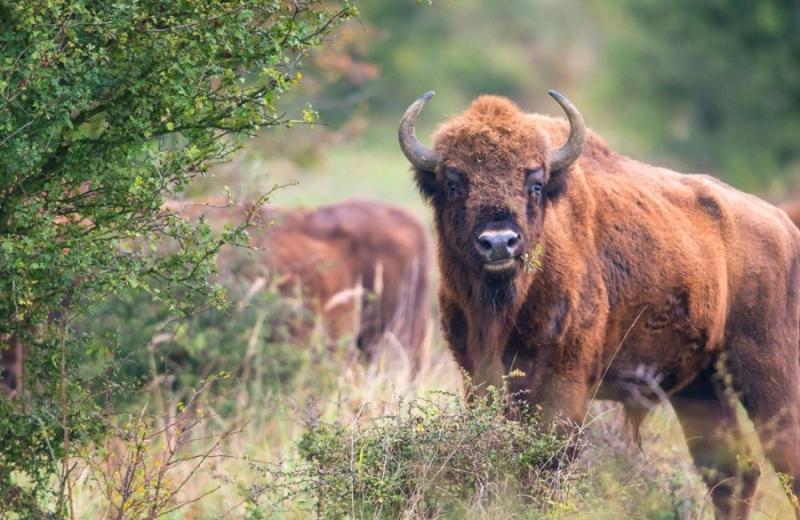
(422, 158)
(569, 153)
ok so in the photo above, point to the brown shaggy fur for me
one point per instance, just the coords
(650, 283)
(362, 266)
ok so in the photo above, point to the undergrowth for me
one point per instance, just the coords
(433, 457)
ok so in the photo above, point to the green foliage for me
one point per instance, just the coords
(252, 337)
(716, 83)
(108, 108)
(435, 457)
(459, 49)
(105, 109)
(532, 261)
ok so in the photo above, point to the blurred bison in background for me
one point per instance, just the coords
(577, 273)
(792, 208)
(362, 267)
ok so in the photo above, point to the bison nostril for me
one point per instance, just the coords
(484, 244)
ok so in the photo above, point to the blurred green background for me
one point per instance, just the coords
(708, 87)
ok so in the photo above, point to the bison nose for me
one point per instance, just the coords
(497, 244)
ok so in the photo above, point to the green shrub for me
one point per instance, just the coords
(435, 457)
(251, 338)
(106, 109)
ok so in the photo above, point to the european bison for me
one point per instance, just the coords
(362, 266)
(590, 274)
(792, 209)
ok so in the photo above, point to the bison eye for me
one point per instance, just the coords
(452, 188)
(534, 180)
(454, 181)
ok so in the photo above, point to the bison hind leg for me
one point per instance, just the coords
(768, 381)
(715, 440)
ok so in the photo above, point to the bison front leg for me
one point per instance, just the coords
(563, 402)
(559, 401)
(715, 441)
(556, 392)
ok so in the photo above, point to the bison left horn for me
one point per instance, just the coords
(562, 158)
(422, 158)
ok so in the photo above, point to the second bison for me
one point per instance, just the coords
(361, 266)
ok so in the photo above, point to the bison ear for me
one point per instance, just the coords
(428, 186)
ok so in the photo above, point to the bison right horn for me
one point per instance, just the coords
(422, 158)
(562, 158)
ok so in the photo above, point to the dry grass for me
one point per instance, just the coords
(202, 465)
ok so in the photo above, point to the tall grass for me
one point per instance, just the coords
(298, 431)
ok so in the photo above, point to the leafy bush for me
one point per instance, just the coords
(436, 456)
(251, 338)
(106, 108)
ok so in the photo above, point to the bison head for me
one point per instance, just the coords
(489, 178)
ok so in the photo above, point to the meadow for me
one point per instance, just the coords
(281, 430)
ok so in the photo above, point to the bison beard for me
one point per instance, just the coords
(497, 292)
(650, 284)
